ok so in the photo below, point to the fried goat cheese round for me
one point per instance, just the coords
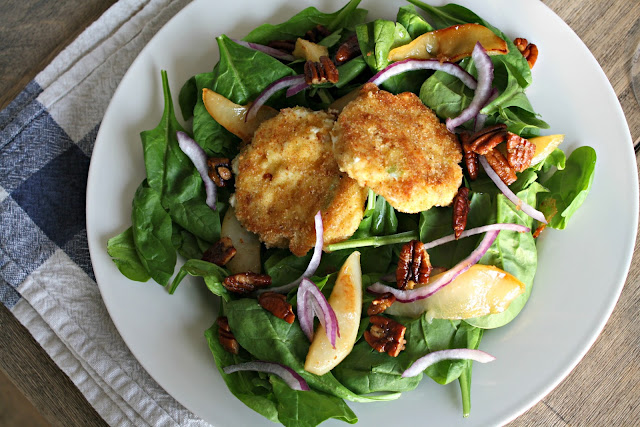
(397, 147)
(287, 174)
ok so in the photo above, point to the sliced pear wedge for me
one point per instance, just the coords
(481, 290)
(450, 44)
(247, 245)
(307, 50)
(544, 146)
(231, 115)
(346, 301)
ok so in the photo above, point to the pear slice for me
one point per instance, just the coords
(309, 51)
(544, 146)
(450, 44)
(231, 115)
(481, 290)
(247, 245)
(346, 301)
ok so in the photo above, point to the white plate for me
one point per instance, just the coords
(582, 269)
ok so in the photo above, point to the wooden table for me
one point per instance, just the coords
(602, 390)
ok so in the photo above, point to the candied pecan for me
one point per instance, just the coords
(317, 33)
(220, 171)
(469, 156)
(386, 335)
(348, 50)
(460, 211)
(486, 139)
(278, 306)
(320, 72)
(414, 265)
(220, 252)
(520, 151)
(500, 165)
(528, 50)
(283, 45)
(244, 283)
(225, 336)
(381, 303)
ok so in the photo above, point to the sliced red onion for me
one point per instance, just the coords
(452, 354)
(313, 263)
(276, 53)
(297, 88)
(312, 303)
(478, 230)
(424, 64)
(199, 159)
(269, 91)
(287, 374)
(446, 278)
(520, 204)
(483, 92)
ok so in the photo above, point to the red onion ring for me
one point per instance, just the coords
(478, 230)
(520, 204)
(297, 88)
(455, 353)
(483, 90)
(288, 375)
(446, 278)
(423, 64)
(279, 84)
(314, 262)
(198, 157)
(312, 303)
(276, 53)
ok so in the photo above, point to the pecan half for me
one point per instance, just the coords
(225, 336)
(386, 335)
(220, 171)
(317, 33)
(469, 156)
(486, 139)
(460, 211)
(320, 72)
(244, 283)
(348, 50)
(528, 50)
(500, 165)
(520, 152)
(414, 265)
(287, 46)
(278, 306)
(381, 303)
(220, 252)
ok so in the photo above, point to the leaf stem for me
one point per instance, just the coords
(375, 241)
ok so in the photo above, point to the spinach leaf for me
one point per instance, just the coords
(152, 230)
(268, 338)
(188, 245)
(556, 159)
(383, 218)
(172, 175)
(299, 24)
(308, 408)
(377, 38)
(188, 98)
(213, 276)
(568, 188)
(513, 252)
(415, 24)
(247, 386)
(122, 251)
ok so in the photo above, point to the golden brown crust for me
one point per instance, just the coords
(287, 174)
(396, 146)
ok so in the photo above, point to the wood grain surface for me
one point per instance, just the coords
(602, 390)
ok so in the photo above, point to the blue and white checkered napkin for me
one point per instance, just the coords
(46, 279)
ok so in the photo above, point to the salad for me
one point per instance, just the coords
(172, 213)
